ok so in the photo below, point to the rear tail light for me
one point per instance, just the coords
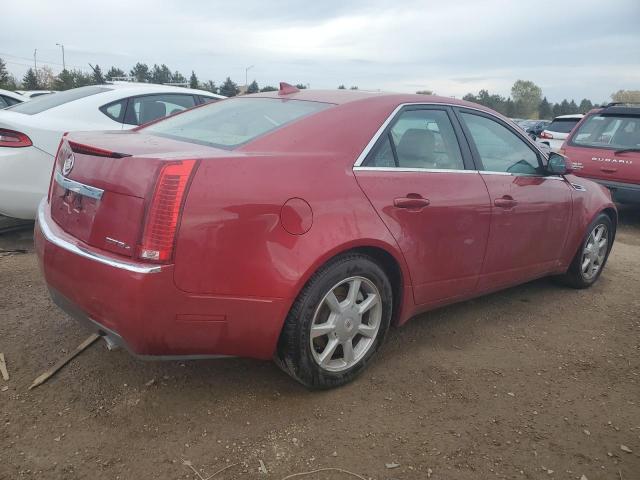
(163, 215)
(11, 138)
(545, 134)
(57, 164)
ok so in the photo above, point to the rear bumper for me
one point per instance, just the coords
(622, 192)
(140, 308)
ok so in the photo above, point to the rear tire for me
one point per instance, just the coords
(337, 323)
(592, 255)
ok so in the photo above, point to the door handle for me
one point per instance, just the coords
(506, 201)
(608, 169)
(411, 201)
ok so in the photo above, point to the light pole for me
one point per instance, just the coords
(246, 76)
(64, 67)
(35, 62)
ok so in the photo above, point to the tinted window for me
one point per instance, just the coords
(421, 139)
(115, 110)
(614, 131)
(9, 100)
(562, 125)
(230, 123)
(146, 108)
(46, 102)
(3, 102)
(500, 149)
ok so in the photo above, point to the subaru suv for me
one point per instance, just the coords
(605, 147)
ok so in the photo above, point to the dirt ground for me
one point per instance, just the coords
(535, 382)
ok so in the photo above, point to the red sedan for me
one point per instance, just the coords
(300, 225)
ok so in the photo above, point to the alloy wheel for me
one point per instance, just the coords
(594, 252)
(345, 324)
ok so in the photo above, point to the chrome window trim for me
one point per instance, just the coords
(380, 131)
(82, 252)
(407, 169)
(77, 187)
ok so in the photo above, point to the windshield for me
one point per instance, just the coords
(562, 125)
(230, 123)
(46, 102)
(609, 131)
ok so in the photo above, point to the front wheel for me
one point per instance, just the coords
(337, 323)
(592, 255)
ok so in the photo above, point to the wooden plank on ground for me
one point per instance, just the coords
(3, 368)
(63, 361)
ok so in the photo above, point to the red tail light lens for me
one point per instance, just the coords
(164, 211)
(11, 138)
(546, 135)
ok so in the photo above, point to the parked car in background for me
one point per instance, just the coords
(534, 127)
(168, 240)
(8, 98)
(605, 147)
(558, 130)
(29, 94)
(30, 132)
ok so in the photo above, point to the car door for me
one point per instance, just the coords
(421, 181)
(531, 210)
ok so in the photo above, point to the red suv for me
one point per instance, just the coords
(605, 147)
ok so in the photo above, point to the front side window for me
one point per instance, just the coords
(609, 131)
(233, 122)
(419, 139)
(499, 149)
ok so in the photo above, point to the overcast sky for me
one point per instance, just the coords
(572, 49)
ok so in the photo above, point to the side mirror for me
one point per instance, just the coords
(559, 164)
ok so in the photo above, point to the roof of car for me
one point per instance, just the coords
(621, 109)
(340, 97)
(572, 116)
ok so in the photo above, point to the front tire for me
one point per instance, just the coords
(337, 323)
(591, 257)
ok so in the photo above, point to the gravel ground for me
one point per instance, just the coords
(535, 382)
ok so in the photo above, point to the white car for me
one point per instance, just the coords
(8, 98)
(30, 132)
(558, 130)
(29, 94)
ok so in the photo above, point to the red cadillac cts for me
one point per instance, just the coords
(301, 225)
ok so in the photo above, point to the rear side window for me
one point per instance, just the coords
(231, 123)
(147, 108)
(562, 125)
(46, 102)
(7, 101)
(609, 131)
(419, 139)
(115, 110)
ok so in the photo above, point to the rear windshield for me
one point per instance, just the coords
(609, 131)
(562, 125)
(46, 102)
(231, 123)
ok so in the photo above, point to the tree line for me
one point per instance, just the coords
(526, 99)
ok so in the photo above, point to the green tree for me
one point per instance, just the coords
(564, 107)
(430, 92)
(97, 77)
(229, 88)
(160, 74)
(177, 77)
(557, 109)
(4, 74)
(253, 87)
(626, 96)
(140, 72)
(64, 80)
(342, 87)
(353, 87)
(114, 73)
(81, 79)
(509, 108)
(527, 96)
(30, 80)
(268, 88)
(193, 80)
(300, 86)
(210, 86)
(544, 109)
(585, 106)
(573, 108)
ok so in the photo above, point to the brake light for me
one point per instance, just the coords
(163, 215)
(545, 134)
(11, 138)
(95, 151)
(56, 163)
